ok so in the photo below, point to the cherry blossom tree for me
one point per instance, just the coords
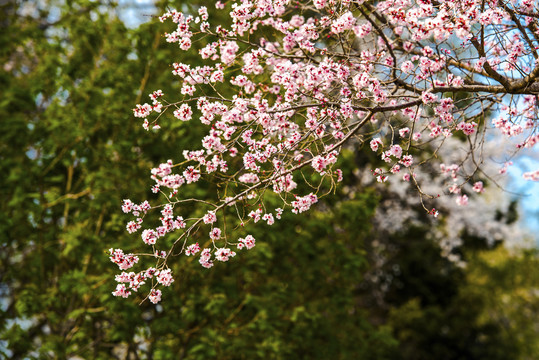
(285, 86)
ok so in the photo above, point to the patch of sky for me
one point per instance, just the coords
(529, 190)
(134, 13)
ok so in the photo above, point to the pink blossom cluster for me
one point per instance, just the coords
(123, 261)
(391, 74)
(205, 258)
(133, 281)
(345, 22)
(155, 296)
(531, 175)
(192, 249)
(321, 162)
(304, 203)
(247, 242)
(224, 254)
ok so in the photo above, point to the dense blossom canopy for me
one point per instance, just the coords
(289, 84)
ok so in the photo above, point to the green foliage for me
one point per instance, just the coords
(439, 311)
(507, 285)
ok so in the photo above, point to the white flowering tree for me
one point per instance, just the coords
(286, 85)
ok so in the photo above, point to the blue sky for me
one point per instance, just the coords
(529, 190)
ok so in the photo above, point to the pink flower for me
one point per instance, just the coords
(343, 23)
(478, 187)
(209, 218)
(249, 178)
(319, 4)
(375, 143)
(127, 206)
(149, 236)
(132, 226)
(142, 111)
(215, 234)
(407, 160)
(428, 97)
(191, 174)
(155, 296)
(203, 12)
(248, 242)
(204, 260)
(268, 218)
(531, 175)
(407, 67)
(123, 261)
(192, 249)
(462, 200)
(304, 203)
(184, 113)
(256, 215)
(185, 43)
(224, 254)
(122, 291)
(467, 128)
(396, 151)
(404, 132)
(164, 277)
